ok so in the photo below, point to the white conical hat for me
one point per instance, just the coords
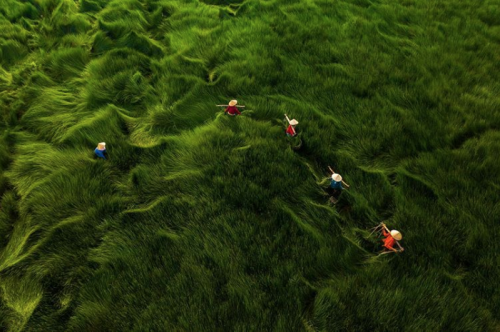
(294, 122)
(233, 102)
(336, 177)
(396, 234)
(101, 146)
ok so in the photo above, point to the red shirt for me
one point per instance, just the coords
(232, 110)
(389, 241)
(291, 131)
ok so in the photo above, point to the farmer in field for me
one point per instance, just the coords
(391, 238)
(100, 151)
(335, 188)
(232, 108)
(290, 131)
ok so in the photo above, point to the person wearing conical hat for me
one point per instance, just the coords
(100, 151)
(391, 238)
(232, 109)
(336, 187)
(290, 131)
(336, 182)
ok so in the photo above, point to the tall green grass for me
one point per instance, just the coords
(202, 222)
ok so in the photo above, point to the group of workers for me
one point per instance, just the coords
(336, 184)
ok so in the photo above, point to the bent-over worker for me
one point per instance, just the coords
(100, 151)
(232, 109)
(391, 238)
(290, 131)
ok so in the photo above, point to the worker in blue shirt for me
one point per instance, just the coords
(336, 182)
(336, 187)
(100, 151)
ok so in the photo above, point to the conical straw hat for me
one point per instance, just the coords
(336, 177)
(294, 122)
(233, 102)
(396, 234)
(101, 146)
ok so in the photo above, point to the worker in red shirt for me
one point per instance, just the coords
(232, 109)
(391, 238)
(290, 131)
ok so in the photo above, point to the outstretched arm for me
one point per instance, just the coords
(385, 230)
(286, 116)
(400, 248)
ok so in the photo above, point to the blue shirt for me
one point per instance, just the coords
(336, 185)
(100, 153)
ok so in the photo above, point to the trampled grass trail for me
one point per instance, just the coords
(204, 222)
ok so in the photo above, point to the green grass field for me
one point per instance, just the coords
(203, 222)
